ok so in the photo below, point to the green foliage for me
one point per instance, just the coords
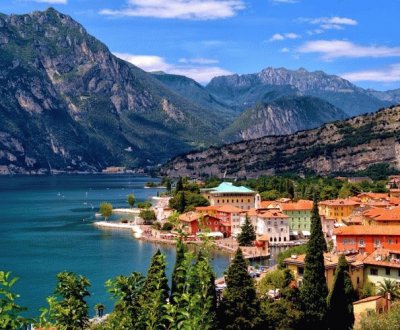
(368, 290)
(185, 201)
(340, 299)
(106, 209)
(144, 205)
(271, 281)
(239, 307)
(131, 200)
(270, 195)
(388, 286)
(148, 216)
(384, 321)
(314, 289)
(179, 272)
(68, 309)
(126, 290)
(10, 311)
(247, 234)
(282, 314)
(167, 226)
(179, 185)
(154, 294)
(299, 249)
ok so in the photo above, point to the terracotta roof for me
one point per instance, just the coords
(380, 214)
(229, 209)
(207, 208)
(339, 202)
(381, 257)
(299, 205)
(263, 238)
(389, 230)
(330, 260)
(190, 216)
(272, 214)
(372, 298)
(394, 200)
(374, 195)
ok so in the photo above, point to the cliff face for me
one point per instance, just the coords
(284, 115)
(342, 146)
(67, 103)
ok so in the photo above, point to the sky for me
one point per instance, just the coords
(358, 40)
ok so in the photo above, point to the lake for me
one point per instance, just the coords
(46, 227)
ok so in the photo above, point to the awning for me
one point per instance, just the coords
(211, 234)
(294, 233)
(305, 233)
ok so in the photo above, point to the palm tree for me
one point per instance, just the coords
(389, 286)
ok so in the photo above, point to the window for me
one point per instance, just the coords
(300, 270)
(269, 230)
(387, 271)
(282, 229)
(398, 273)
(390, 241)
(373, 271)
(377, 242)
(361, 242)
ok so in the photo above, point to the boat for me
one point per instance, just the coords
(98, 215)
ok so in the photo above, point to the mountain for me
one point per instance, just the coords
(343, 146)
(244, 91)
(388, 96)
(222, 114)
(67, 103)
(284, 115)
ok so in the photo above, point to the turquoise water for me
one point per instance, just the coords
(46, 227)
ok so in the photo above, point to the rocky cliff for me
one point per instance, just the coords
(342, 146)
(67, 103)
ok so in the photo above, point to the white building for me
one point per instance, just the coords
(274, 224)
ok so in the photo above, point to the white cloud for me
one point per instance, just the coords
(179, 9)
(285, 50)
(389, 74)
(199, 60)
(328, 23)
(332, 49)
(283, 36)
(55, 2)
(197, 68)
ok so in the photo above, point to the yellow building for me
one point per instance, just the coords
(382, 264)
(337, 209)
(228, 194)
(356, 268)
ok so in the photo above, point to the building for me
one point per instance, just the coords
(196, 222)
(377, 304)
(367, 238)
(382, 264)
(382, 216)
(299, 217)
(228, 194)
(337, 208)
(369, 196)
(356, 268)
(273, 223)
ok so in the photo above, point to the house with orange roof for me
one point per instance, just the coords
(337, 208)
(380, 216)
(367, 238)
(299, 217)
(197, 222)
(382, 264)
(273, 223)
(296, 265)
(231, 214)
(370, 196)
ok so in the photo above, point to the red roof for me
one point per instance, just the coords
(389, 230)
(229, 209)
(339, 202)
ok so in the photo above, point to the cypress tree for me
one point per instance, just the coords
(247, 234)
(239, 308)
(340, 299)
(155, 294)
(179, 272)
(179, 185)
(314, 289)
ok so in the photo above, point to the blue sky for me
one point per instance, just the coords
(358, 40)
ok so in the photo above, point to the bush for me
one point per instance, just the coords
(148, 216)
(157, 225)
(167, 226)
(300, 249)
(144, 205)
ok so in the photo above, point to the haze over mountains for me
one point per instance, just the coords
(67, 103)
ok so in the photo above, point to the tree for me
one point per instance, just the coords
(247, 234)
(239, 307)
(381, 321)
(179, 185)
(179, 272)
(126, 290)
(106, 210)
(99, 308)
(148, 216)
(154, 294)
(69, 310)
(131, 200)
(388, 286)
(168, 185)
(314, 289)
(340, 299)
(10, 317)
